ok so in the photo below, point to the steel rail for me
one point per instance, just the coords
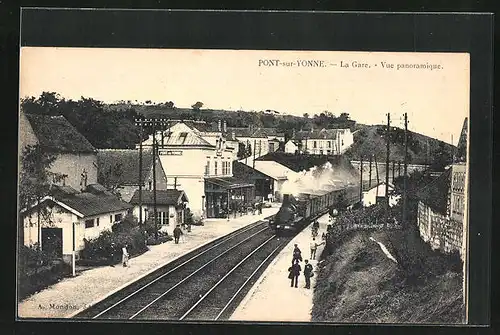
(193, 273)
(175, 268)
(225, 276)
(246, 282)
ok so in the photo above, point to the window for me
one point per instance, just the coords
(150, 185)
(163, 216)
(97, 222)
(207, 168)
(118, 217)
(329, 143)
(315, 144)
(215, 167)
(111, 219)
(89, 223)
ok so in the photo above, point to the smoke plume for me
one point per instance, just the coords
(325, 177)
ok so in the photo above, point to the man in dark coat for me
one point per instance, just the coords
(308, 273)
(294, 272)
(297, 254)
(177, 234)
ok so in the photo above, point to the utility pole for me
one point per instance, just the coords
(399, 168)
(361, 180)
(253, 162)
(405, 169)
(140, 171)
(388, 140)
(154, 181)
(370, 174)
(393, 168)
(376, 170)
(246, 153)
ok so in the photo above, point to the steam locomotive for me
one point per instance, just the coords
(296, 212)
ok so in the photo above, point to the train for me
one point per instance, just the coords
(296, 212)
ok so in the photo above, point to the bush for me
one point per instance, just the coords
(162, 238)
(106, 249)
(37, 271)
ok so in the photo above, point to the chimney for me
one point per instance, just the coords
(219, 125)
(225, 126)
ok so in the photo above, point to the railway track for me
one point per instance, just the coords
(206, 284)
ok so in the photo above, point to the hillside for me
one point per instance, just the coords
(358, 283)
(370, 140)
(240, 118)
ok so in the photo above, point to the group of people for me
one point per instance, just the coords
(295, 269)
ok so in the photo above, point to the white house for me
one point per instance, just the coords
(68, 217)
(324, 141)
(291, 147)
(377, 193)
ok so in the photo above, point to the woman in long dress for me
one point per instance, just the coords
(125, 256)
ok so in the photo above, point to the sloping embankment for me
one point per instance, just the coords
(359, 283)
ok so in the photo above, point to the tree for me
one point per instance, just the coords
(169, 104)
(306, 115)
(35, 180)
(197, 106)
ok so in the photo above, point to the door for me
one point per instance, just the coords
(52, 242)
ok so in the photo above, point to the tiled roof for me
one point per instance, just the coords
(56, 134)
(163, 197)
(90, 204)
(126, 161)
(435, 194)
(317, 134)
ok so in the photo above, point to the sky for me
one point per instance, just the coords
(436, 101)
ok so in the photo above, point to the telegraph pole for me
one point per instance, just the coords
(253, 162)
(393, 168)
(361, 180)
(405, 168)
(370, 173)
(154, 181)
(139, 122)
(388, 140)
(376, 170)
(246, 153)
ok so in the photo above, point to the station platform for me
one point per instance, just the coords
(73, 294)
(271, 298)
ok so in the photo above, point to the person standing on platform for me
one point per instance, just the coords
(308, 273)
(177, 234)
(259, 207)
(297, 254)
(293, 274)
(314, 247)
(125, 256)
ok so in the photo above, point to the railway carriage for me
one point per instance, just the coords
(297, 211)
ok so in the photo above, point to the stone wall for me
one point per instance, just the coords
(441, 232)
